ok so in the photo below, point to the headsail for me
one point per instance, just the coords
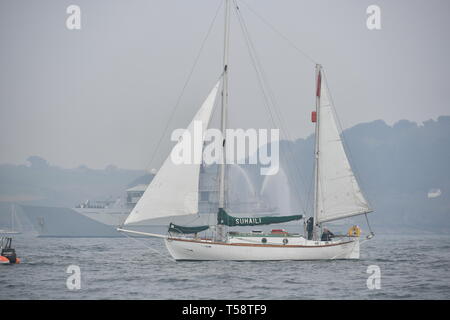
(174, 189)
(338, 192)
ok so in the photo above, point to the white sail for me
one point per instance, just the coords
(338, 192)
(174, 189)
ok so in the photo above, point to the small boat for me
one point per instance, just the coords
(7, 253)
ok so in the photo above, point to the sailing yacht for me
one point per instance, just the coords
(337, 195)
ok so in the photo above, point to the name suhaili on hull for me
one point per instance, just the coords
(337, 195)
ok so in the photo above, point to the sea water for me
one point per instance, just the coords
(410, 267)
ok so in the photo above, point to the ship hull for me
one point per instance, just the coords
(66, 222)
(185, 249)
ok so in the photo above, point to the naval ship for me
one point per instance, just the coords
(100, 218)
(92, 218)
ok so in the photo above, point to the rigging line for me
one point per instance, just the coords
(368, 224)
(269, 99)
(278, 112)
(148, 247)
(307, 56)
(177, 104)
(280, 117)
(197, 216)
(344, 140)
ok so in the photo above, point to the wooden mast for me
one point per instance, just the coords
(222, 173)
(317, 152)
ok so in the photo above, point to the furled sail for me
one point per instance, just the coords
(338, 192)
(174, 189)
(186, 230)
(225, 219)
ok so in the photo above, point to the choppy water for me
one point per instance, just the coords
(412, 267)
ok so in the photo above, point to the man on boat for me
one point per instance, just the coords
(310, 227)
(327, 235)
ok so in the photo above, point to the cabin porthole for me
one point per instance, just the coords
(264, 240)
(285, 241)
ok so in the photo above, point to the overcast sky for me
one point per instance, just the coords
(103, 94)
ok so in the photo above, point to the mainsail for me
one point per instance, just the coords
(174, 189)
(338, 193)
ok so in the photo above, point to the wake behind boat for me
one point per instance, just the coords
(337, 195)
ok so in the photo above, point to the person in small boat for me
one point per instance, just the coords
(310, 227)
(327, 235)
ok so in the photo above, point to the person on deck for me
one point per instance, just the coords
(327, 235)
(310, 227)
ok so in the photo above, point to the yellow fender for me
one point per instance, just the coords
(354, 231)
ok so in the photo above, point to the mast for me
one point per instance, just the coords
(316, 152)
(222, 173)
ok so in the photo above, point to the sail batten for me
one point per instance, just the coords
(338, 193)
(174, 189)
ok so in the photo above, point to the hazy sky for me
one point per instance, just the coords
(103, 94)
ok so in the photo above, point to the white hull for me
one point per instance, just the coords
(189, 249)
